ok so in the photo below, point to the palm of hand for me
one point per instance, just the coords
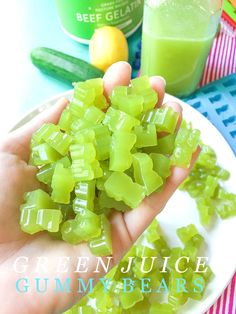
(17, 178)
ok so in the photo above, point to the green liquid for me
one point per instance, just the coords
(177, 37)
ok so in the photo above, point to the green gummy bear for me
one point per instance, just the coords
(84, 94)
(85, 193)
(186, 233)
(82, 170)
(45, 173)
(144, 173)
(38, 199)
(102, 245)
(85, 151)
(117, 120)
(51, 134)
(88, 225)
(62, 184)
(131, 104)
(161, 164)
(102, 141)
(146, 135)
(121, 187)
(44, 132)
(120, 155)
(93, 115)
(106, 202)
(165, 119)
(49, 219)
(70, 233)
(28, 218)
(66, 119)
(43, 154)
(128, 300)
(161, 308)
(96, 84)
(142, 87)
(140, 84)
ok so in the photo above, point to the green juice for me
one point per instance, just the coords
(177, 37)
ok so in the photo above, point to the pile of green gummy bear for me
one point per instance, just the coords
(112, 154)
(163, 298)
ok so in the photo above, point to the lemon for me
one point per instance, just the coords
(107, 46)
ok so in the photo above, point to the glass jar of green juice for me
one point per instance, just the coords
(79, 18)
(177, 37)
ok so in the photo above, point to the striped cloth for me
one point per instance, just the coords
(226, 304)
(221, 62)
(222, 58)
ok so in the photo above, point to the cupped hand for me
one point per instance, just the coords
(17, 177)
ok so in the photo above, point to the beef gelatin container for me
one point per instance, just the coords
(80, 18)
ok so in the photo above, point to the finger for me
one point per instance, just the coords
(121, 238)
(18, 141)
(158, 83)
(177, 108)
(117, 74)
(137, 220)
(21, 178)
(33, 183)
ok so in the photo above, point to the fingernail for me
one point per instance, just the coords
(163, 80)
(125, 63)
(113, 67)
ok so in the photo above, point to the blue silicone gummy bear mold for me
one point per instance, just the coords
(217, 102)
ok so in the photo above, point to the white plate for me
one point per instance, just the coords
(181, 209)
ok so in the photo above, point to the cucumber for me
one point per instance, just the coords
(63, 66)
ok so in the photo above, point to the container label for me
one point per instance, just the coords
(81, 17)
